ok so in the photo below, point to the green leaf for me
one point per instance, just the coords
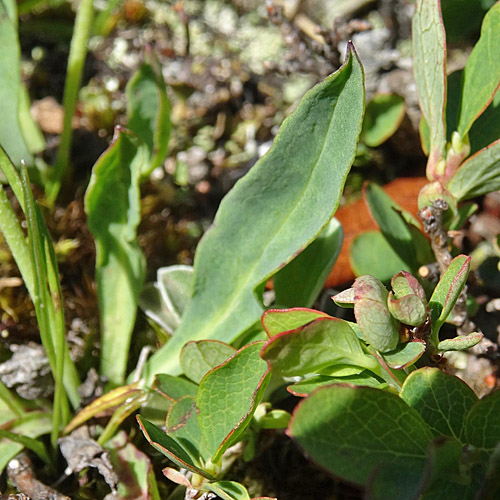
(283, 320)
(391, 483)
(379, 328)
(404, 283)
(371, 253)
(300, 282)
(410, 309)
(429, 66)
(479, 175)
(447, 292)
(309, 385)
(169, 447)
(273, 213)
(227, 398)
(198, 358)
(442, 400)
(148, 109)
(317, 345)
(27, 442)
(112, 205)
(384, 114)
(174, 388)
(486, 129)
(11, 136)
(404, 355)
(352, 431)
(136, 478)
(227, 490)
(482, 424)
(182, 425)
(395, 224)
(461, 342)
(481, 76)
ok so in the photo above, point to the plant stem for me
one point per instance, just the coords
(76, 61)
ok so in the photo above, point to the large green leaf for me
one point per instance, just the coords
(112, 205)
(352, 431)
(479, 175)
(481, 76)
(442, 400)
(317, 345)
(486, 129)
(227, 398)
(482, 425)
(299, 283)
(148, 109)
(271, 214)
(11, 136)
(429, 66)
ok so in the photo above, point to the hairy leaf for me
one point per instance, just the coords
(271, 214)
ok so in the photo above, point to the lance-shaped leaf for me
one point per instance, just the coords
(461, 342)
(170, 448)
(429, 66)
(148, 109)
(198, 358)
(447, 292)
(352, 431)
(398, 227)
(404, 355)
(299, 283)
(309, 385)
(317, 345)
(384, 114)
(379, 328)
(482, 425)
(273, 213)
(277, 321)
(479, 175)
(227, 398)
(442, 400)
(481, 76)
(112, 205)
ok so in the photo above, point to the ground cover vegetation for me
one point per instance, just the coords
(123, 377)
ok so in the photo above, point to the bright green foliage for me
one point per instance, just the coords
(227, 398)
(275, 211)
(384, 114)
(112, 205)
(429, 66)
(199, 357)
(299, 283)
(351, 431)
(479, 175)
(174, 388)
(283, 320)
(317, 345)
(228, 490)
(372, 315)
(11, 89)
(148, 109)
(447, 292)
(443, 401)
(481, 76)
